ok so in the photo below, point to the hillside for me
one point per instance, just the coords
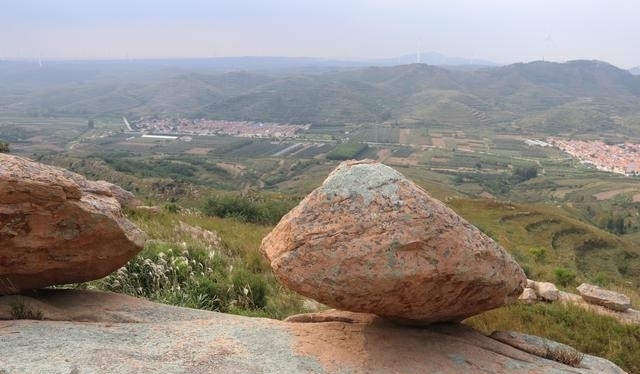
(577, 96)
(550, 243)
(203, 254)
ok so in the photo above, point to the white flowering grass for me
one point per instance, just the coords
(205, 263)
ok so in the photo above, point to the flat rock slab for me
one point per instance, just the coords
(630, 316)
(369, 240)
(608, 299)
(167, 339)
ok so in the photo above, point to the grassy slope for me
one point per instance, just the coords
(589, 333)
(592, 254)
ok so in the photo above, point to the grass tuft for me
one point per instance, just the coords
(565, 355)
(19, 309)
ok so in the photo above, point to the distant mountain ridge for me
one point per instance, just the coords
(635, 70)
(266, 63)
(437, 59)
(581, 95)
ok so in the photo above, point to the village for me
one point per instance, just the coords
(622, 158)
(165, 126)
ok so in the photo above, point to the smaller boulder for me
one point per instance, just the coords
(546, 291)
(528, 296)
(56, 227)
(555, 351)
(608, 299)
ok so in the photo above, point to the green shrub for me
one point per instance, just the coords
(230, 206)
(4, 147)
(250, 290)
(564, 276)
(600, 279)
(524, 173)
(538, 254)
(172, 207)
(267, 212)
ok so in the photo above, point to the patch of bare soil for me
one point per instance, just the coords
(197, 151)
(438, 142)
(405, 136)
(383, 154)
(606, 195)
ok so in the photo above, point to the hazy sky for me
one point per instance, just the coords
(500, 30)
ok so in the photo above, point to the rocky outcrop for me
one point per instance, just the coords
(369, 240)
(56, 227)
(528, 296)
(211, 237)
(628, 315)
(546, 291)
(121, 334)
(608, 299)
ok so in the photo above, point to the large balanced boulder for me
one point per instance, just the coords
(608, 299)
(57, 227)
(369, 240)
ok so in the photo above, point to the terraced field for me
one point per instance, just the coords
(593, 255)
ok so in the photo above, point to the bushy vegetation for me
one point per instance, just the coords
(538, 254)
(205, 263)
(524, 173)
(190, 277)
(564, 277)
(569, 324)
(499, 184)
(4, 147)
(247, 209)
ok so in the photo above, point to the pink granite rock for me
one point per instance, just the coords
(369, 240)
(608, 299)
(57, 227)
(546, 291)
